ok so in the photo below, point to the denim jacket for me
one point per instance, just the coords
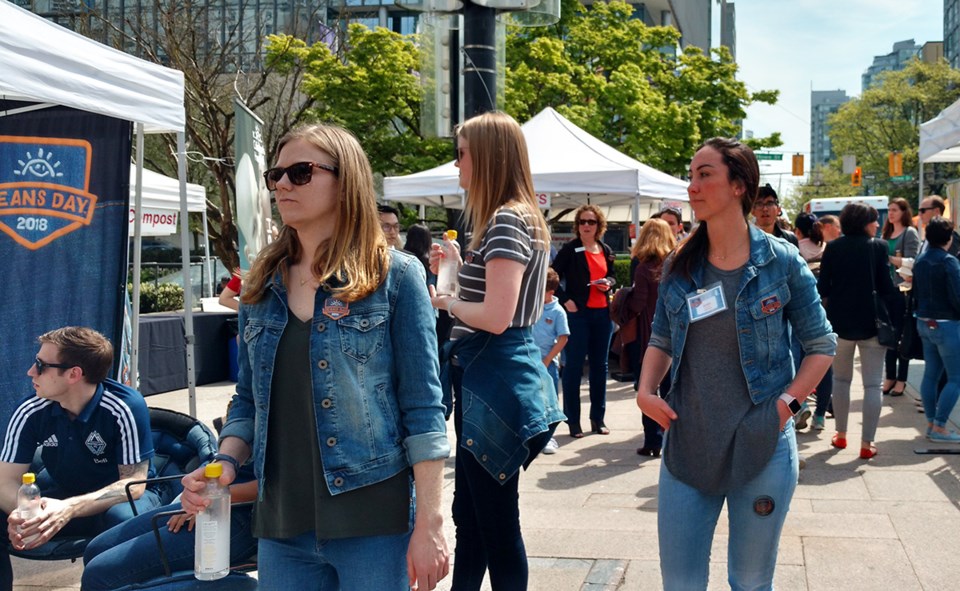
(375, 375)
(508, 400)
(936, 285)
(776, 287)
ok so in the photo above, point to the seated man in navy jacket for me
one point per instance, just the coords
(95, 438)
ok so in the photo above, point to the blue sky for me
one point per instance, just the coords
(798, 45)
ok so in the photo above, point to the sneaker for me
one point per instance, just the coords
(802, 417)
(944, 437)
(819, 423)
(551, 447)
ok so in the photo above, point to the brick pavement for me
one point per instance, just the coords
(589, 512)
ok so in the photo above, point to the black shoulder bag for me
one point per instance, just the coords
(886, 332)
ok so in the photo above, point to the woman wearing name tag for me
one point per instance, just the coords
(585, 266)
(338, 397)
(720, 328)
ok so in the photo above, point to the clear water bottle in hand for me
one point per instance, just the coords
(212, 531)
(449, 267)
(28, 501)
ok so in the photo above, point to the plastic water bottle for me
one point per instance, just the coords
(447, 283)
(212, 532)
(28, 501)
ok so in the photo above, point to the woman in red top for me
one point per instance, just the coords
(585, 266)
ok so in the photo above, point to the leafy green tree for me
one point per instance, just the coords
(371, 87)
(624, 82)
(887, 118)
(221, 58)
(824, 182)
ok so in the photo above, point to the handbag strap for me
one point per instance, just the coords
(873, 278)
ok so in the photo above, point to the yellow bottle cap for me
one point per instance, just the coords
(451, 234)
(29, 478)
(213, 470)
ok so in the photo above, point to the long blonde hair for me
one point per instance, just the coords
(655, 242)
(501, 173)
(353, 262)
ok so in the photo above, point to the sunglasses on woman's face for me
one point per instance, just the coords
(587, 222)
(299, 173)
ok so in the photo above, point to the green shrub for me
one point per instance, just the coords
(165, 297)
(621, 270)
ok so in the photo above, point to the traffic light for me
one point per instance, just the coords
(895, 164)
(798, 165)
(856, 179)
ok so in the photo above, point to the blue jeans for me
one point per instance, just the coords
(590, 333)
(486, 514)
(941, 351)
(346, 564)
(687, 518)
(554, 370)
(126, 556)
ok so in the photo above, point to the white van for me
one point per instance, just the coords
(822, 207)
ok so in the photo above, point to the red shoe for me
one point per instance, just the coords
(839, 442)
(868, 452)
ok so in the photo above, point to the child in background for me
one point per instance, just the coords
(551, 333)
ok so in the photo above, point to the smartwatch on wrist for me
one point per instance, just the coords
(792, 403)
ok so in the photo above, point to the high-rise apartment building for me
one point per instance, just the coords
(903, 52)
(951, 32)
(823, 103)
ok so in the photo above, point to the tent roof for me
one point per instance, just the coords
(163, 192)
(567, 163)
(44, 62)
(940, 137)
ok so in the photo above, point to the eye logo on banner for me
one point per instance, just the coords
(44, 188)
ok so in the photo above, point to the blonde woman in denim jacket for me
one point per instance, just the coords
(505, 409)
(720, 327)
(338, 398)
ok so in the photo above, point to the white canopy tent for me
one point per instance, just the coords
(570, 167)
(46, 64)
(161, 195)
(940, 142)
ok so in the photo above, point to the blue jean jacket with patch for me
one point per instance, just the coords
(776, 288)
(375, 374)
(509, 402)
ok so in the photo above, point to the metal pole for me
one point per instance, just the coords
(480, 59)
(185, 269)
(137, 241)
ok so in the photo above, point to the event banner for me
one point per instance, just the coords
(64, 192)
(253, 200)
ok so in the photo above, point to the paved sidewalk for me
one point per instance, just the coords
(589, 511)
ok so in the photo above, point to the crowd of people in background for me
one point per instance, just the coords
(730, 328)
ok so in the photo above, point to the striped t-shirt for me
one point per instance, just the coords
(510, 235)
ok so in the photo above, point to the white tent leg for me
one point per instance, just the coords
(920, 199)
(137, 240)
(210, 268)
(185, 266)
(636, 222)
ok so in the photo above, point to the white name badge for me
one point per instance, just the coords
(707, 302)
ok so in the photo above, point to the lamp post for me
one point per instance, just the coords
(480, 20)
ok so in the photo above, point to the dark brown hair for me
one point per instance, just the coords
(84, 348)
(742, 168)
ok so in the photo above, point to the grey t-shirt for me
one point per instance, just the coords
(513, 235)
(720, 440)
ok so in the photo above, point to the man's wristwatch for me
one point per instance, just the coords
(792, 403)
